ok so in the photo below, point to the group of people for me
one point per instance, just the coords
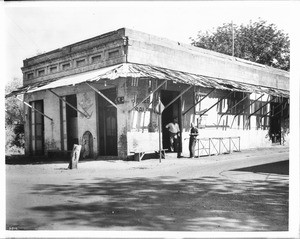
(175, 142)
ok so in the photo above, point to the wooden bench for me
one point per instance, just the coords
(138, 156)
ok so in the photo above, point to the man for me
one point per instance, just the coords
(174, 132)
(193, 139)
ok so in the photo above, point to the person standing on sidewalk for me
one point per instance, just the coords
(174, 132)
(193, 139)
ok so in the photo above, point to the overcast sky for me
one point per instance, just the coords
(32, 27)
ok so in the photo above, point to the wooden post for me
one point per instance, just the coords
(75, 156)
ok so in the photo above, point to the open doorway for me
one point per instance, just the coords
(275, 123)
(72, 122)
(108, 140)
(169, 114)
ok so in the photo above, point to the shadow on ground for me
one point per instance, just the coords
(203, 204)
(281, 167)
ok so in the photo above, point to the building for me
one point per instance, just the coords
(102, 93)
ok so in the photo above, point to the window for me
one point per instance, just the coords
(53, 69)
(30, 76)
(66, 66)
(41, 72)
(96, 58)
(197, 97)
(80, 62)
(113, 54)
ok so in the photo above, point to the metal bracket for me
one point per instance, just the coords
(178, 96)
(152, 92)
(231, 108)
(245, 109)
(100, 93)
(199, 101)
(205, 111)
(25, 103)
(72, 106)
(261, 107)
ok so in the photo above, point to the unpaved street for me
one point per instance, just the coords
(218, 193)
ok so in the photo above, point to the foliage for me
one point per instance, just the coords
(258, 42)
(13, 106)
(14, 120)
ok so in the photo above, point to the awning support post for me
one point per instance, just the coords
(245, 108)
(73, 107)
(205, 111)
(34, 109)
(152, 92)
(178, 96)
(100, 93)
(232, 108)
(199, 101)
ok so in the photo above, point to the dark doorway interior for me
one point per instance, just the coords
(72, 122)
(107, 124)
(168, 115)
(275, 123)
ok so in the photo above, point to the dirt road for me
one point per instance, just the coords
(218, 193)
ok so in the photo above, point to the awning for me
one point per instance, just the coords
(147, 71)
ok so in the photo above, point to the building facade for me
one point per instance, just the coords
(103, 93)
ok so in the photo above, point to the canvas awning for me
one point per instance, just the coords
(147, 71)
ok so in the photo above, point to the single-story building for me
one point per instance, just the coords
(103, 93)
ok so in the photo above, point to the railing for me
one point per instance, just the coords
(215, 146)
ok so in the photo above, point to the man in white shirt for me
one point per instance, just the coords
(174, 132)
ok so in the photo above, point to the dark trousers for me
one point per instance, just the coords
(192, 145)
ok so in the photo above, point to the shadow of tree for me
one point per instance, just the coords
(165, 203)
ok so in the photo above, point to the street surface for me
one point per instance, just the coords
(244, 191)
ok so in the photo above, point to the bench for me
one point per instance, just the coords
(138, 156)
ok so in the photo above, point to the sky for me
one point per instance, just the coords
(35, 27)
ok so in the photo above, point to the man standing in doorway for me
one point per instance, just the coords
(193, 139)
(174, 132)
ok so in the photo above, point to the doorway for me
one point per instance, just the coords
(72, 122)
(37, 128)
(169, 114)
(107, 124)
(275, 123)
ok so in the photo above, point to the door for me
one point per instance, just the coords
(37, 128)
(275, 123)
(107, 124)
(71, 122)
(169, 114)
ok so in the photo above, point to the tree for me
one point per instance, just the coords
(13, 107)
(14, 120)
(257, 41)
